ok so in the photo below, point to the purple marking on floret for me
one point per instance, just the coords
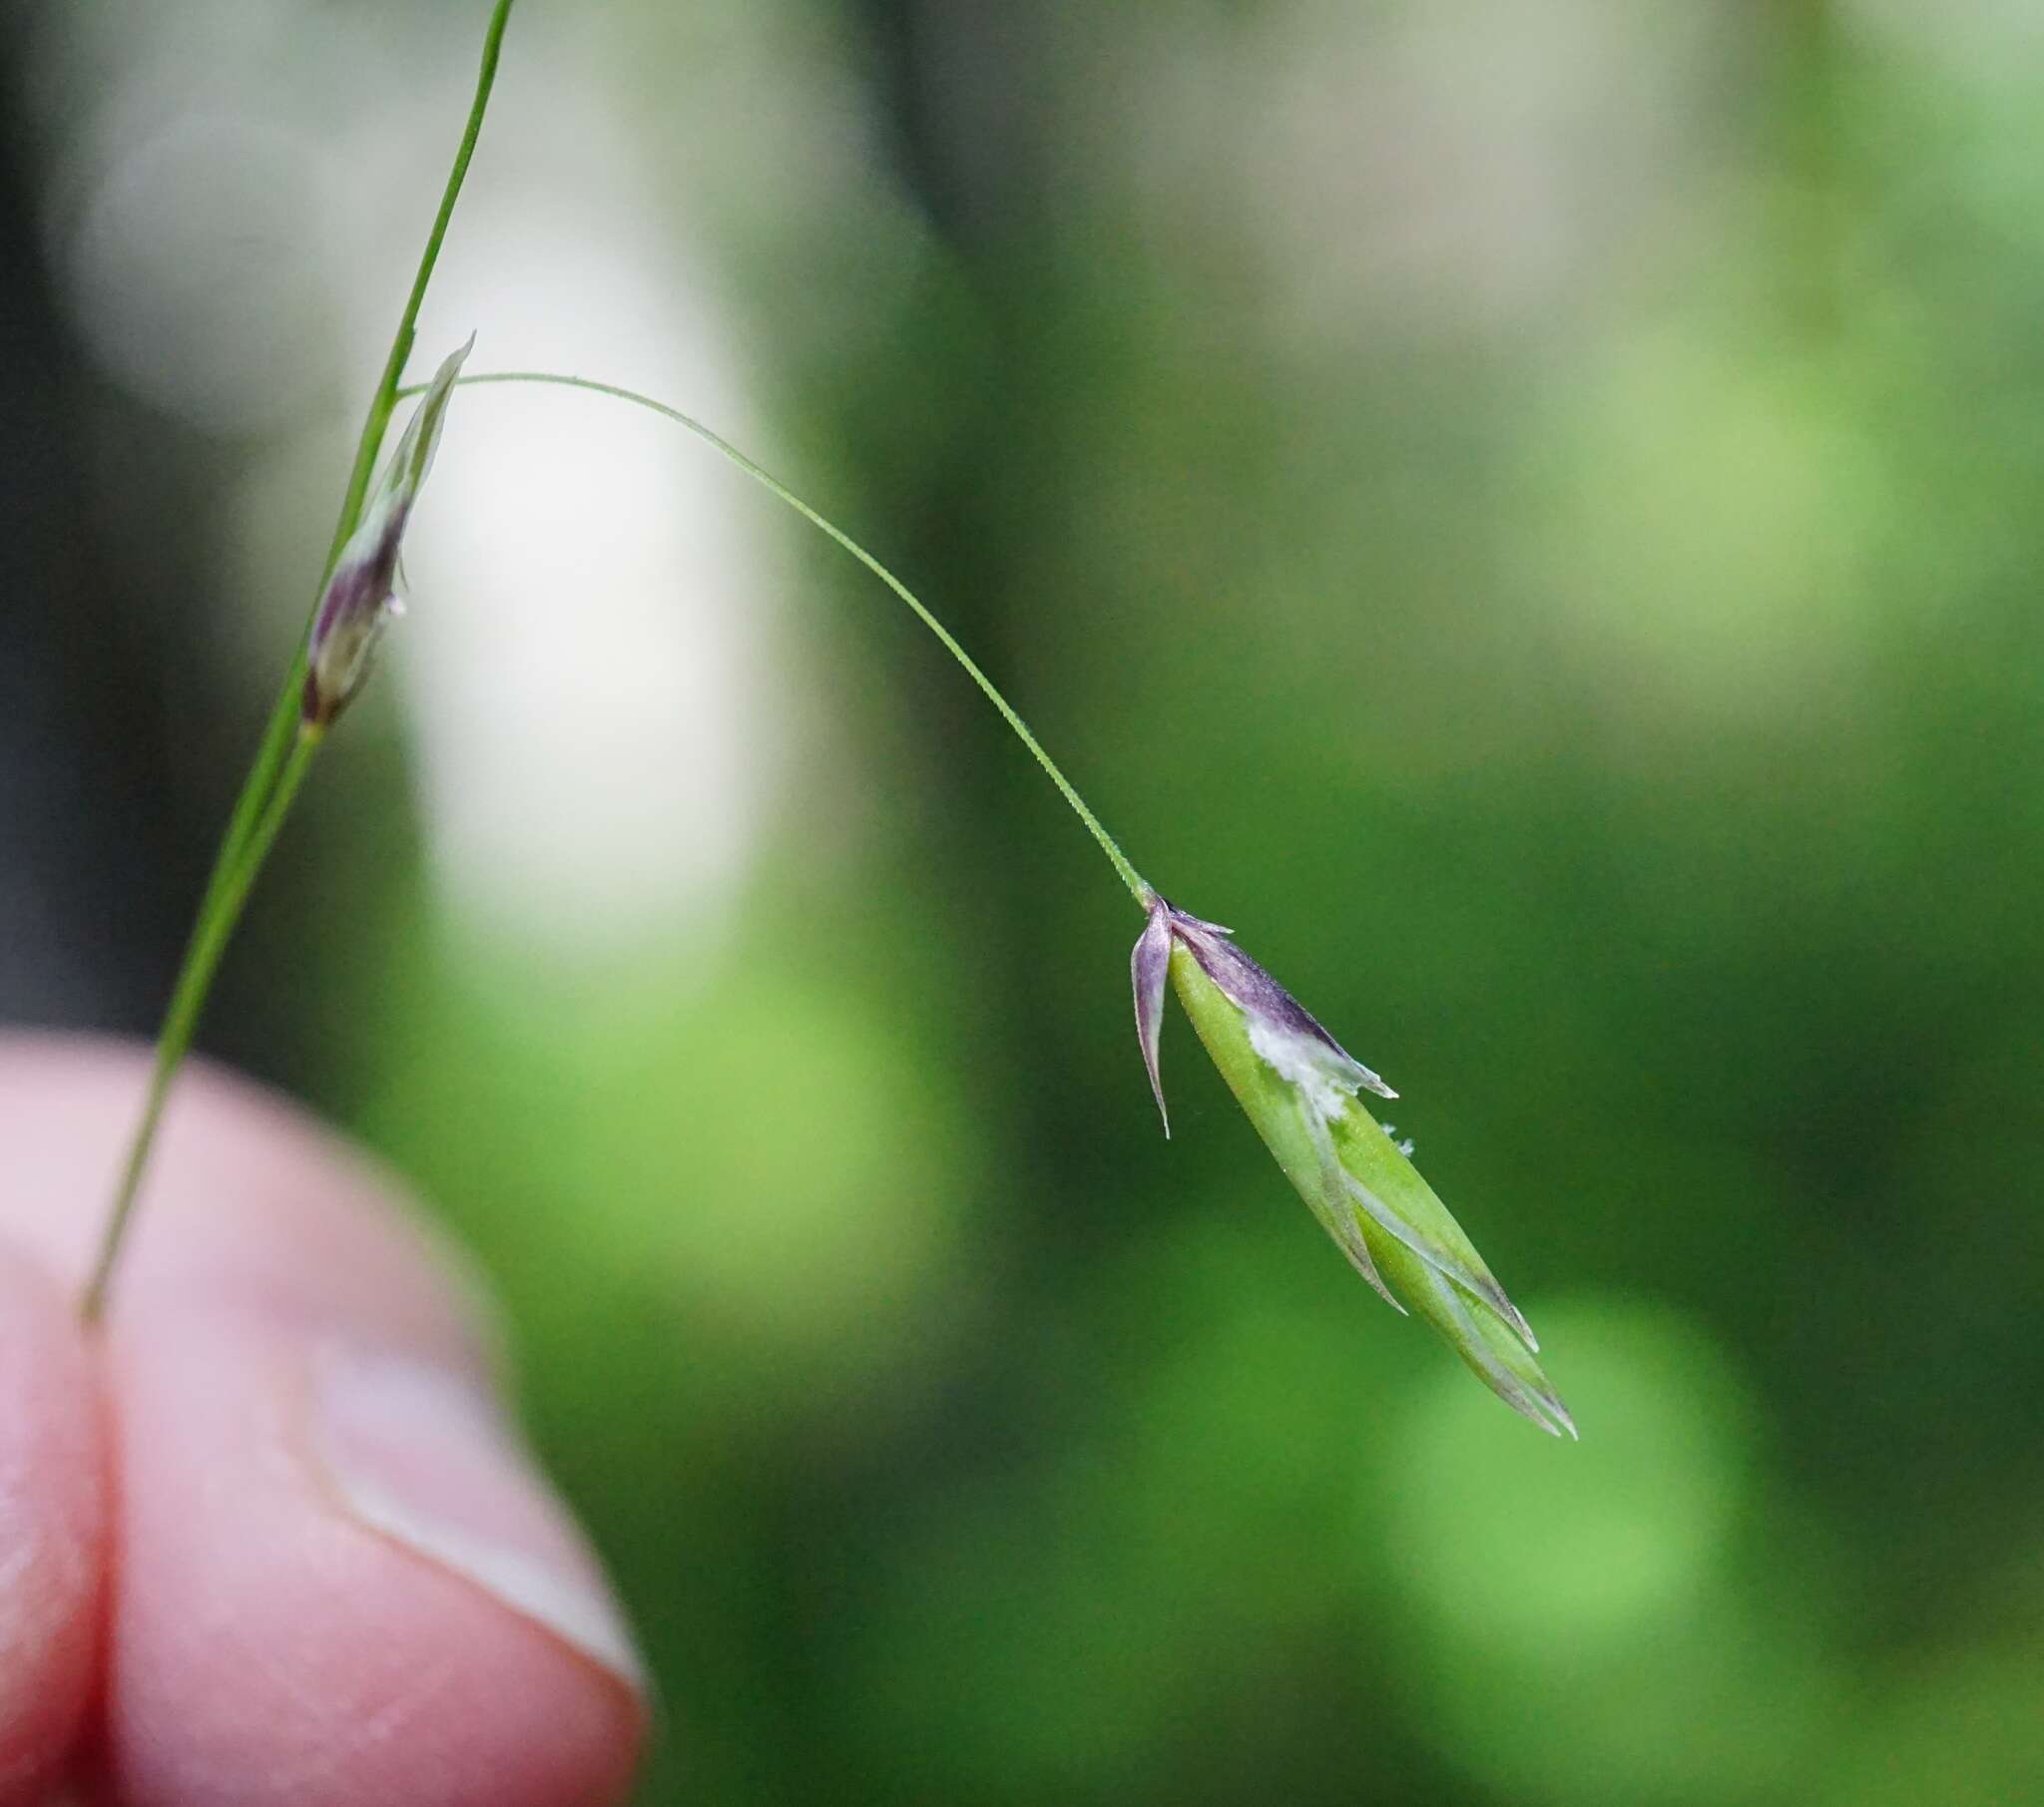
(1149, 962)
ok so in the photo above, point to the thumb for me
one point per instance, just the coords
(341, 1578)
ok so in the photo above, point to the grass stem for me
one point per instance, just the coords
(194, 981)
(287, 749)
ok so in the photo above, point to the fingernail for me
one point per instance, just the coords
(425, 1458)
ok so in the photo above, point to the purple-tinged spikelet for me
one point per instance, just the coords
(360, 598)
(1300, 1089)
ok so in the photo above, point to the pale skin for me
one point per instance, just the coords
(265, 1534)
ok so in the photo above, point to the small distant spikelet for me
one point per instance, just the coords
(361, 597)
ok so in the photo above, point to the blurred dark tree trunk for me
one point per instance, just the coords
(98, 857)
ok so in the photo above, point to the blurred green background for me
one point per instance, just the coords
(1531, 514)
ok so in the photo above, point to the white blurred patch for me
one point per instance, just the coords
(585, 668)
(194, 266)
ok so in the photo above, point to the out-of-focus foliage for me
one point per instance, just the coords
(1535, 519)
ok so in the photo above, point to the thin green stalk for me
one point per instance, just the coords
(188, 1000)
(286, 750)
(1119, 860)
(284, 715)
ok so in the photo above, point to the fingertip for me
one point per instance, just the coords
(52, 1528)
(343, 1584)
(339, 1578)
